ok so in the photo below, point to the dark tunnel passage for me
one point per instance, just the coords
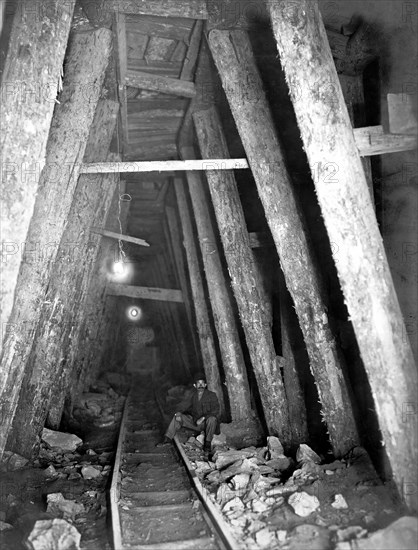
(224, 190)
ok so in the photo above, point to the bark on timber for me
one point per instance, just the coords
(29, 87)
(204, 329)
(351, 223)
(245, 278)
(85, 69)
(225, 323)
(235, 61)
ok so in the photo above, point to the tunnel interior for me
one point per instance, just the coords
(116, 275)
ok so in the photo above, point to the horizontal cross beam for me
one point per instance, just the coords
(113, 235)
(145, 292)
(164, 166)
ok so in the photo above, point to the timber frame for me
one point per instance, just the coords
(156, 160)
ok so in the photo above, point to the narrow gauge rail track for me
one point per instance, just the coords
(156, 500)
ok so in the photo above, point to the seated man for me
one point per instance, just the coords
(201, 415)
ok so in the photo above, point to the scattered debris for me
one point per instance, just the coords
(275, 448)
(5, 526)
(303, 504)
(90, 472)
(12, 461)
(61, 440)
(53, 534)
(339, 502)
(306, 454)
(63, 508)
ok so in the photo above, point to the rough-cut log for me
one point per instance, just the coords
(164, 166)
(245, 278)
(189, 9)
(372, 140)
(204, 329)
(225, 323)
(192, 52)
(119, 33)
(161, 84)
(119, 236)
(350, 221)
(236, 64)
(294, 393)
(29, 87)
(65, 294)
(85, 69)
(181, 269)
(145, 292)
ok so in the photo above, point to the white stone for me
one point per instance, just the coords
(303, 504)
(275, 447)
(5, 526)
(58, 505)
(305, 454)
(64, 441)
(90, 472)
(235, 503)
(339, 502)
(53, 534)
(263, 537)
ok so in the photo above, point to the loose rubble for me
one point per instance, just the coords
(57, 499)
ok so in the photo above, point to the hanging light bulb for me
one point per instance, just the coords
(134, 313)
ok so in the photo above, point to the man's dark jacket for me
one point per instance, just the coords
(208, 405)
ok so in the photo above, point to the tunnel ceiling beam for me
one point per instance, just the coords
(145, 292)
(189, 9)
(30, 81)
(351, 223)
(245, 277)
(119, 37)
(235, 61)
(86, 63)
(161, 84)
(204, 327)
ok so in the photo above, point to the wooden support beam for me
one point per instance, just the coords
(50, 360)
(161, 84)
(190, 60)
(164, 166)
(32, 70)
(189, 9)
(245, 277)
(225, 323)
(204, 327)
(145, 292)
(119, 33)
(118, 236)
(372, 140)
(86, 62)
(233, 56)
(176, 245)
(351, 223)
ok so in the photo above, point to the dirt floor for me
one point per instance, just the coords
(81, 476)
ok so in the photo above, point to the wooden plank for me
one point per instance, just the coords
(349, 218)
(189, 9)
(173, 28)
(159, 49)
(373, 141)
(164, 166)
(234, 58)
(161, 84)
(118, 236)
(192, 52)
(145, 292)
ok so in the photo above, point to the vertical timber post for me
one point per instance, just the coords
(204, 329)
(245, 277)
(87, 61)
(33, 63)
(225, 323)
(235, 61)
(351, 223)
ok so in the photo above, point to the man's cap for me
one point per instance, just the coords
(199, 376)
